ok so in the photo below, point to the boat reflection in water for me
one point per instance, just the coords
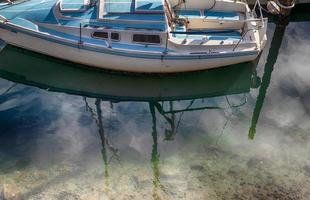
(48, 73)
(169, 98)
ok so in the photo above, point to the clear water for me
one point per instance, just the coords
(73, 133)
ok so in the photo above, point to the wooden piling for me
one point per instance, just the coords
(286, 7)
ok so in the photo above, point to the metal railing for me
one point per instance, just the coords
(260, 9)
(238, 43)
(258, 6)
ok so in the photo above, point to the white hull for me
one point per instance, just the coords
(117, 62)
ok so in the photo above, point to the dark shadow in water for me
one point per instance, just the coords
(269, 66)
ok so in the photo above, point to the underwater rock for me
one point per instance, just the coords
(11, 192)
(135, 181)
(67, 196)
(197, 167)
(255, 162)
(203, 179)
(307, 170)
(214, 151)
(234, 171)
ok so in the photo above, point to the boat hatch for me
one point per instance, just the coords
(133, 6)
(74, 5)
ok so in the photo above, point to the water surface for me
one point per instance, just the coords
(239, 132)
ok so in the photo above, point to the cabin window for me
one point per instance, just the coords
(101, 35)
(148, 39)
(105, 35)
(115, 36)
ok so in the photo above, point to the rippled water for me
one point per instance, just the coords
(240, 132)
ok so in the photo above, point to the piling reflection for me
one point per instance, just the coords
(268, 69)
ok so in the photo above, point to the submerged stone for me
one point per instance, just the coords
(197, 167)
(255, 162)
(67, 196)
(307, 170)
(234, 171)
(214, 151)
(11, 192)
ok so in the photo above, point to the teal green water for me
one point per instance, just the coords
(239, 132)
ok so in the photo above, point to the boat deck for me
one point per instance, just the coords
(36, 10)
(209, 14)
(132, 6)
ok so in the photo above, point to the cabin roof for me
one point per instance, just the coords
(43, 12)
(147, 12)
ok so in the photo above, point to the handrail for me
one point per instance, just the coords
(169, 12)
(230, 21)
(235, 47)
(3, 19)
(4, 4)
(257, 4)
(261, 18)
(14, 2)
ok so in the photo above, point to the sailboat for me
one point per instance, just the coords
(141, 36)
